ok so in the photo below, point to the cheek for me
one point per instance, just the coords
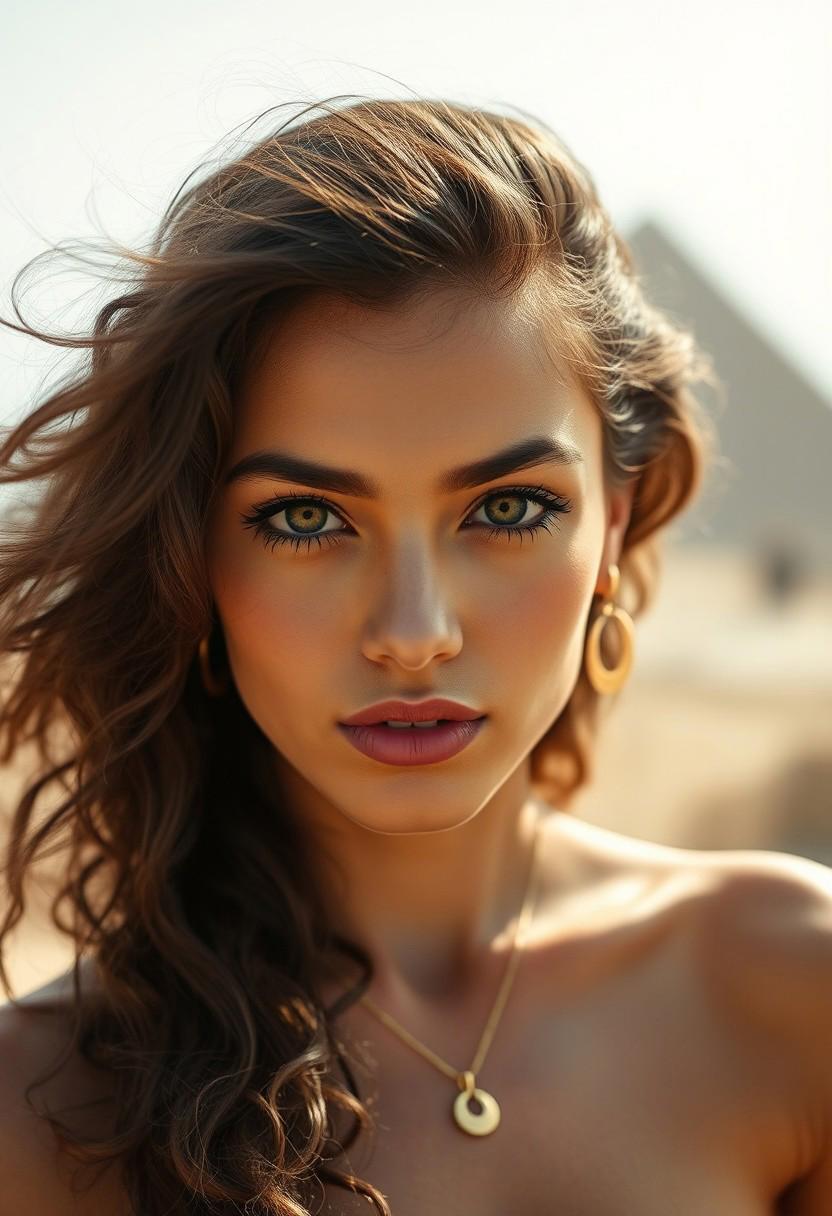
(546, 617)
(274, 628)
(283, 646)
(545, 610)
(277, 628)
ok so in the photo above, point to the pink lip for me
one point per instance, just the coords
(412, 711)
(412, 744)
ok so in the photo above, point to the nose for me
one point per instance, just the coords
(414, 621)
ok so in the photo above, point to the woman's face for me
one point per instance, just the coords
(423, 589)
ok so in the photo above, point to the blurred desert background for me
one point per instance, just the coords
(722, 738)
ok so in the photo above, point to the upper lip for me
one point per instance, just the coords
(412, 711)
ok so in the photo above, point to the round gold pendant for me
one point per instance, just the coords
(476, 1123)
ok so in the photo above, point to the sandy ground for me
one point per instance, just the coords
(722, 738)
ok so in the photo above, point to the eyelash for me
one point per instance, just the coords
(556, 505)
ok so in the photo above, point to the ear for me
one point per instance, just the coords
(619, 505)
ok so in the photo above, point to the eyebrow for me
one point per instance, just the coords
(536, 449)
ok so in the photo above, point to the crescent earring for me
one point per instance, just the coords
(610, 679)
(213, 686)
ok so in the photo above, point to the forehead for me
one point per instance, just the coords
(409, 387)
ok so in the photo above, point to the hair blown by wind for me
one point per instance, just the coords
(183, 880)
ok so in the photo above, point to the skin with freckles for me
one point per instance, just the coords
(421, 595)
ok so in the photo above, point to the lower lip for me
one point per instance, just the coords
(412, 744)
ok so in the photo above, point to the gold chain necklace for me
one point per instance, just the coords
(485, 1120)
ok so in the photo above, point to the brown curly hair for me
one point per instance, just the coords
(184, 881)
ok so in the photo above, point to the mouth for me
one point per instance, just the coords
(413, 743)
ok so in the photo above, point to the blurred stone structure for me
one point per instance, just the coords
(723, 738)
(773, 494)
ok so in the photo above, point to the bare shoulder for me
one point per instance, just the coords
(762, 924)
(755, 904)
(36, 1177)
(763, 929)
(770, 932)
(770, 926)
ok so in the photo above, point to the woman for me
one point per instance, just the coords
(383, 432)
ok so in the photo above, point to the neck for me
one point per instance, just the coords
(434, 910)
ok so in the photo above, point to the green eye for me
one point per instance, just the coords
(553, 504)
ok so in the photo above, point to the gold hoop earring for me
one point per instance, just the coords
(213, 686)
(610, 679)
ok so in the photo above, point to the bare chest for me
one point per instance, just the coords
(634, 1094)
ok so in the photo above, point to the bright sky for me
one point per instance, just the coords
(713, 118)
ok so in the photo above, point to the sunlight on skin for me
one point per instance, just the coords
(409, 602)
